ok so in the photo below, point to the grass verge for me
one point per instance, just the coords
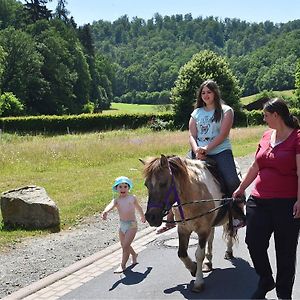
(77, 171)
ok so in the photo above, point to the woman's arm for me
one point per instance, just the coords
(250, 176)
(193, 134)
(296, 209)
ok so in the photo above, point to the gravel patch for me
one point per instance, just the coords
(32, 259)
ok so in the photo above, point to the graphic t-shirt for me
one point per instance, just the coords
(207, 129)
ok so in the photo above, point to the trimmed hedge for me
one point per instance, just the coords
(78, 123)
(100, 122)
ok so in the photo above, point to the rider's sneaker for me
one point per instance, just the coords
(237, 224)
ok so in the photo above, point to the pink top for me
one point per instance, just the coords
(277, 176)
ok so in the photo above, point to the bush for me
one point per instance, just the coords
(157, 124)
(10, 105)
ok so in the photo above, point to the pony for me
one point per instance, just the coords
(189, 188)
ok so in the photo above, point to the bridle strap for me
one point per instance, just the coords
(177, 199)
(167, 205)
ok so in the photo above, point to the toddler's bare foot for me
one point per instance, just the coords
(134, 259)
(120, 269)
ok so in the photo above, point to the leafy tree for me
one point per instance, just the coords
(297, 80)
(203, 65)
(2, 60)
(10, 13)
(10, 105)
(22, 68)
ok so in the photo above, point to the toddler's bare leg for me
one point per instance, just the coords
(126, 240)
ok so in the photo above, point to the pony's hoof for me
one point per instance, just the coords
(207, 267)
(198, 288)
(194, 271)
(228, 255)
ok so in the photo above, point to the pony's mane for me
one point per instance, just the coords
(177, 166)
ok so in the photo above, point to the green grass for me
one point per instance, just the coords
(249, 99)
(135, 108)
(77, 171)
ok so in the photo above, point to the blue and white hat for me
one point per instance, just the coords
(122, 179)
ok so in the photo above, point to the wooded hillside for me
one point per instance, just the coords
(49, 65)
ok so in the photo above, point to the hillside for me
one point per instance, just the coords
(148, 54)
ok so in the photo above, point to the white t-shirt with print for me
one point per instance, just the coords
(207, 130)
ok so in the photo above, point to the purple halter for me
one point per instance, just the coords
(167, 205)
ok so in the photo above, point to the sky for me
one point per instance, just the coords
(277, 11)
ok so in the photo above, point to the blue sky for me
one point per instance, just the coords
(277, 11)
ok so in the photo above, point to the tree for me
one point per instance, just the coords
(203, 65)
(61, 11)
(2, 60)
(297, 80)
(10, 13)
(37, 10)
(22, 68)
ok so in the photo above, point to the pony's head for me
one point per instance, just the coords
(161, 176)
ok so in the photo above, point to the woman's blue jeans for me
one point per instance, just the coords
(227, 169)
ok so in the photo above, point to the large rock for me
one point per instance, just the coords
(29, 207)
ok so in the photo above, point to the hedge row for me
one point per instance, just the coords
(78, 123)
(100, 122)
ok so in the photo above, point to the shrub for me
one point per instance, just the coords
(10, 105)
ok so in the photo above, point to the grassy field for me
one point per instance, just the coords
(148, 108)
(249, 99)
(135, 108)
(77, 170)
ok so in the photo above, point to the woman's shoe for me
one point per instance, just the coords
(262, 290)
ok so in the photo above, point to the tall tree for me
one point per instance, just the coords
(61, 11)
(297, 80)
(203, 65)
(22, 68)
(37, 10)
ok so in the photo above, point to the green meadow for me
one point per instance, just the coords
(77, 170)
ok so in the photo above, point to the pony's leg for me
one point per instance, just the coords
(200, 255)
(229, 243)
(207, 263)
(184, 237)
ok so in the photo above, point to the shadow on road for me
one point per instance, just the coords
(237, 282)
(131, 277)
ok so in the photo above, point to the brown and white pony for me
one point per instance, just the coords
(181, 181)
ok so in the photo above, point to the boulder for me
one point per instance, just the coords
(29, 207)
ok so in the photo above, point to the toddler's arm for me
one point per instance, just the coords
(108, 208)
(140, 210)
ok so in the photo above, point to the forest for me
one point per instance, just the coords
(51, 66)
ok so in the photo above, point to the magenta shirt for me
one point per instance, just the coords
(277, 176)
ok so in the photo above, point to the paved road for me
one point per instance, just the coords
(159, 274)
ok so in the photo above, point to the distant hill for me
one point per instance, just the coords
(147, 54)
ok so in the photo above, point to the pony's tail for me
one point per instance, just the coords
(230, 230)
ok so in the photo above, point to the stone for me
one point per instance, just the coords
(29, 207)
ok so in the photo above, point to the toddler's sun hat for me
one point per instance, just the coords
(122, 179)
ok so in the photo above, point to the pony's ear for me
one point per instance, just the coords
(164, 161)
(142, 161)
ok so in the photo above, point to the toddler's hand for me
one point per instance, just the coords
(143, 219)
(104, 216)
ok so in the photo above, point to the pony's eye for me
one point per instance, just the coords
(162, 184)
